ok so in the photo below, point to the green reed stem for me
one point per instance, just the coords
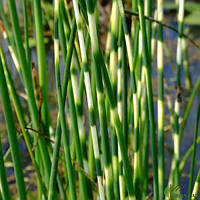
(196, 187)
(194, 152)
(120, 104)
(26, 72)
(114, 18)
(186, 156)
(188, 83)
(160, 103)
(187, 110)
(90, 99)
(67, 63)
(41, 55)
(100, 99)
(100, 67)
(20, 116)
(176, 134)
(147, 62)
(75, 132)
(12, 135)
(3, 179)
(27, 49)
(61, 104)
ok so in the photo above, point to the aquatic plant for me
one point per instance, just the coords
(106, 113)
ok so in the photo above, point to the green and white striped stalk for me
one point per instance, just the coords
(113, 48)
(107, 49)
(135, 102)
(145, 129)
(61, 105)
(178, 90)
(114, 23)
(89, 99)
(160, 102)
(119, 108)
(137, 185)
(153, 39)
(196, 187)
(101, 103)
(188, 83)
(101, 68)
(76, 138)
(147, 63)
(80, 117)
(136, 109)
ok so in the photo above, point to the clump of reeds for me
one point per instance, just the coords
(104, 137)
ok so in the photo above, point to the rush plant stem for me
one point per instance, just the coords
(67, 63)
(70, 172)
(194, 152)
(41, 62)
(90, 100)
(26, 72)
(161, 164)
(12, 135)
(3, 179)
(101, 71)
(147, 62)
(178, 100)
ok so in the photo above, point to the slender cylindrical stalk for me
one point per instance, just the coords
(61, 104)
(178, 91)
(194, 152)
(187, 110)
(12, 136)
(196, 187)
(160, 102)
(67, 63)
(89, 98)
(26, 73)
(79, 154)
(26, 35)
(3, 180)
(188, 83)
(114, 21)
(41, 63)
(147, 62)
(101, 104)
(186, 156)
(120, 107)
(101, 68)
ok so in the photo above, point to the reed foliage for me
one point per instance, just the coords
(109, 114)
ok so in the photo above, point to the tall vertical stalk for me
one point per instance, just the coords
(147, 62)
(3, 180)
(178, 90)
(41, 62)
(61, 104)
(160, 103)
(101, 68)
(79, 154)
(12, 135)
(194, 152)
(90, 100)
